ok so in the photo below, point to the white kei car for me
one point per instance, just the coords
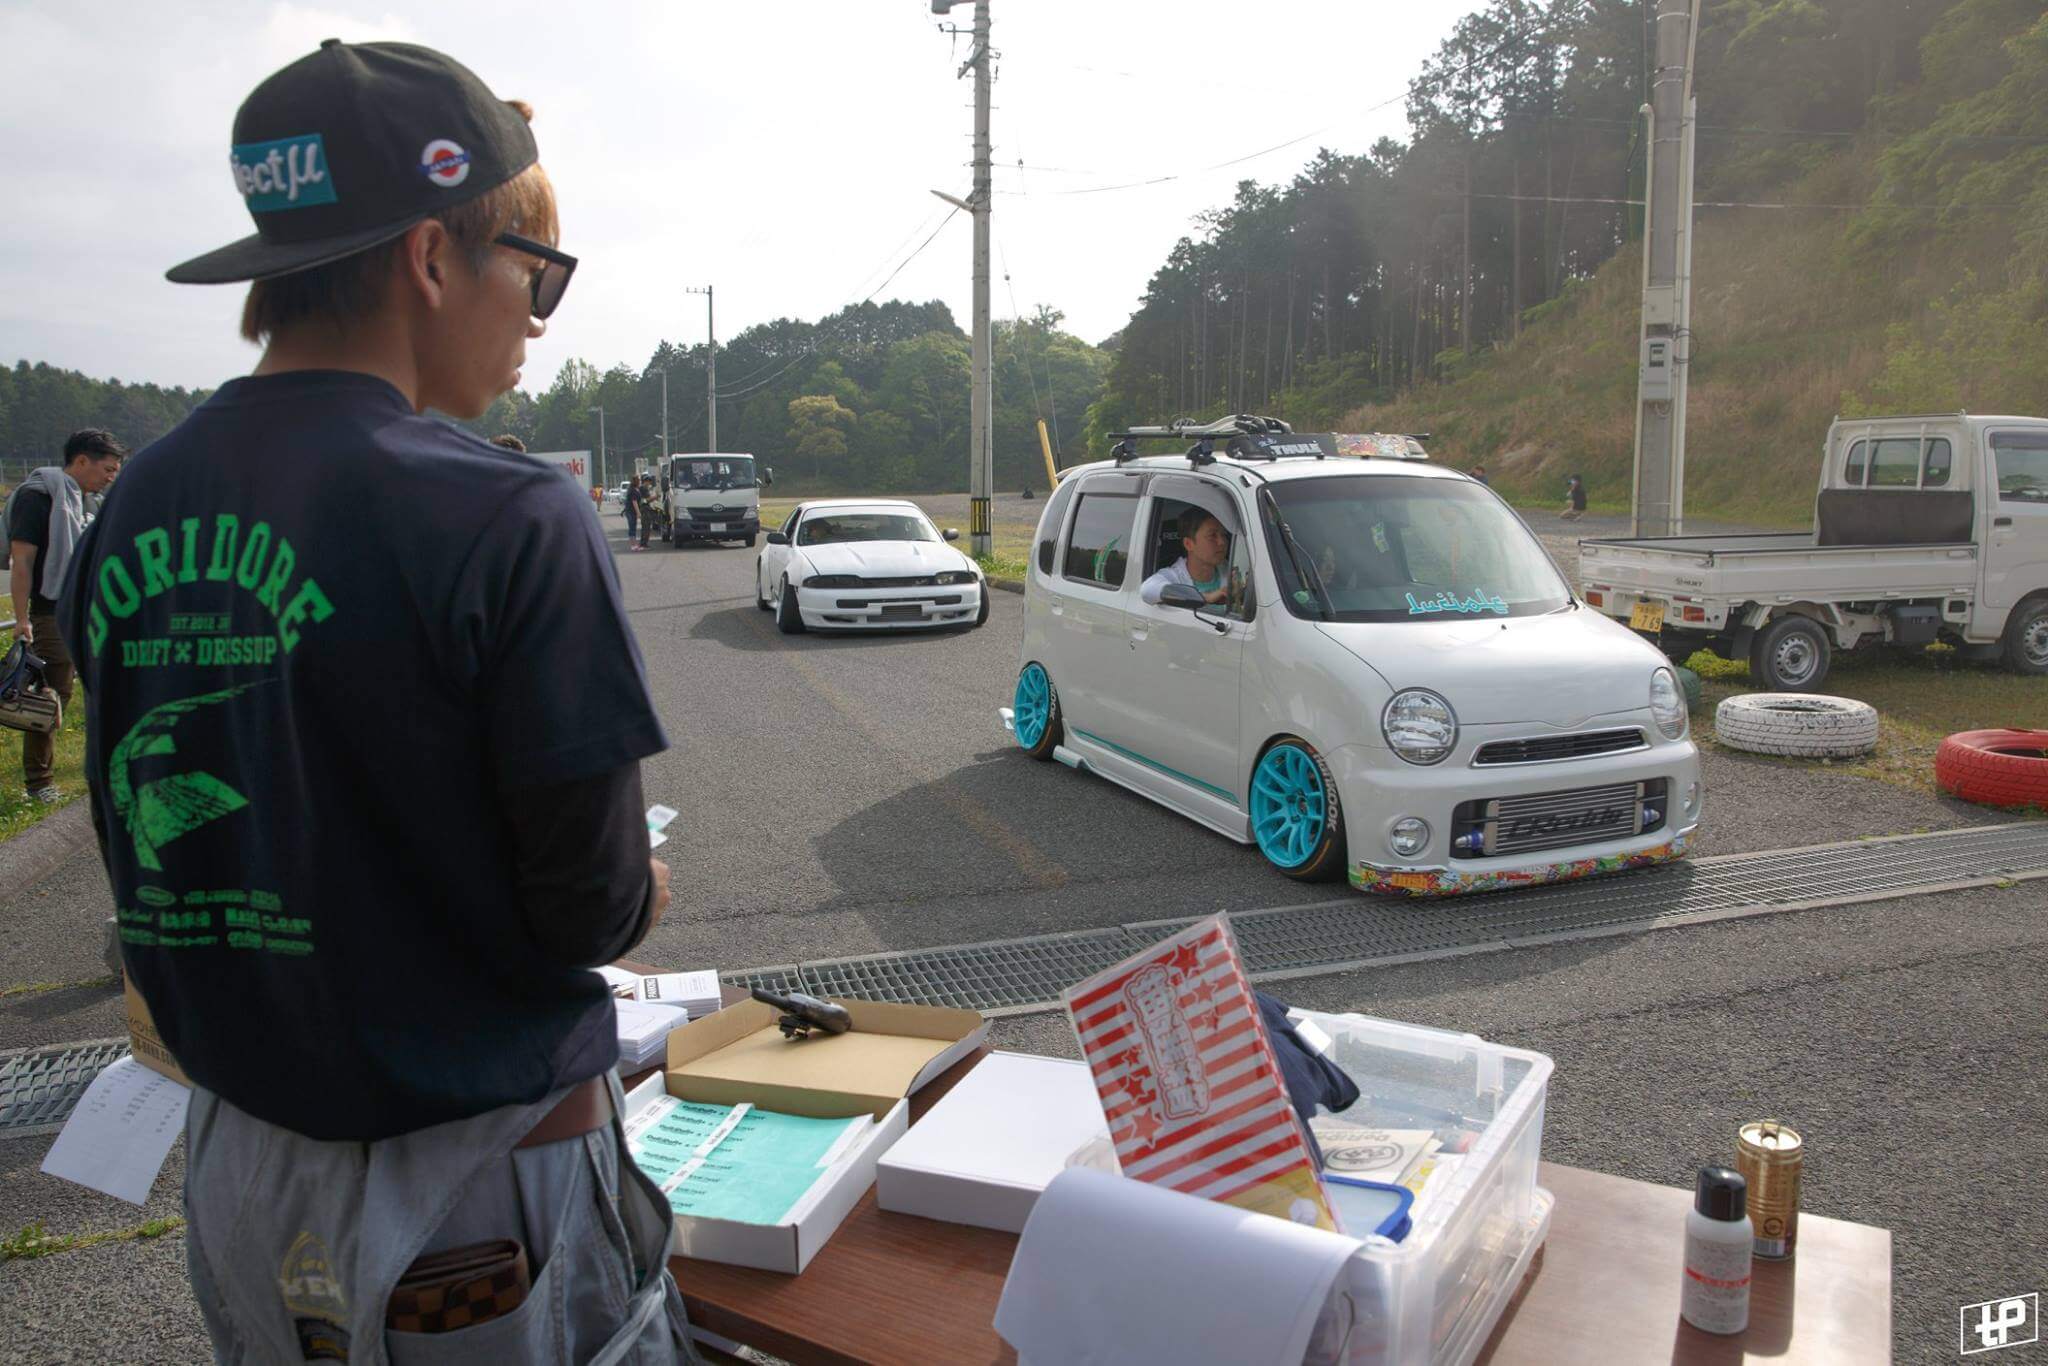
(1386, 677)
(866, 564)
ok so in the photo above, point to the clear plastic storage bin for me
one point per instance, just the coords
(1432, 1299)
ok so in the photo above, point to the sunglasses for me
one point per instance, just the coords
(553, 279)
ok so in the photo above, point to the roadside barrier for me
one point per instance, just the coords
(1797, 725)
(2007, 768)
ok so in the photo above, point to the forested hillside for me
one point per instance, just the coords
(41, 405)
(1873, 223)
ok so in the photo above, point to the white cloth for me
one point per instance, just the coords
(1111, 1271)
(1177, 572)
(67, 524)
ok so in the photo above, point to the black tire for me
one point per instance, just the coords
(2026, 637)
(1790, 655)
(751, 536)
(1329, 860)
(760, 597)
(981, 614)
(788, 619)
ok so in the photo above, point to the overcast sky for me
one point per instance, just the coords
(784, 153)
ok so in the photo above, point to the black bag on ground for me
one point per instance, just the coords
(26, 702)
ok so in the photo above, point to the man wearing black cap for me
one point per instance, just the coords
(365, 765)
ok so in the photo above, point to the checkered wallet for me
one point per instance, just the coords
(460, 1287)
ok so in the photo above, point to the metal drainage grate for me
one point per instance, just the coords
(1000, 975)
(1014, 975)
(39, 1086)
(783, 977)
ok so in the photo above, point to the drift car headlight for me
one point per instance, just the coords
(832, 581)
(1667, 704)
(956, 576)
(1419, 726)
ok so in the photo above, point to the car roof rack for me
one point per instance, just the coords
(1204, 435)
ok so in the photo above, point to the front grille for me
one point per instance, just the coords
(1557, 820)
(729, 515)
(1549, 749)
(861, 604)
(922, 581)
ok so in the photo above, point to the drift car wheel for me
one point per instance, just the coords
(788, 619)
(1797, 725)
(2007, 768)
(1035, 713)
(1295, 815)
(760, 592)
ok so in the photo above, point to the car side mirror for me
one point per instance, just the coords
(1182, 595)
(778, 538)
(1045, 553)
(952, 533)
(767, 477)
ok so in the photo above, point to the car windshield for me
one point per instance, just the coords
(1394, 548)
(837, 528)
(720, 472)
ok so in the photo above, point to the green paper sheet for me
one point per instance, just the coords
(755, 1173)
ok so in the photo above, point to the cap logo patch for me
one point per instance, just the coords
(444, 163)
(287, 173)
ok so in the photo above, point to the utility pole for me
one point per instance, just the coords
(980, 412)
(600, 445)
(711, 373)
(661, 461)
(1659, 485)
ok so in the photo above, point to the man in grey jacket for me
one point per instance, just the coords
(45, 518)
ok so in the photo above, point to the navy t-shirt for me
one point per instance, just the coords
(322, 638)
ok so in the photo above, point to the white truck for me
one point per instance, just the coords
(1926, 528)
(711, 496)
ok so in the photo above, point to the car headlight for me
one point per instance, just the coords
(1419, 726)
(832, 581)
(1667, 704)
(956, 576)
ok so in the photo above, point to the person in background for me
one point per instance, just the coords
(45, 518)
(1574, 500)
(632, 501)
(1479, 473)
(367, 832)
(509, 442)
(647, 497)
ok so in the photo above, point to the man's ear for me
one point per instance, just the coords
(426, 257)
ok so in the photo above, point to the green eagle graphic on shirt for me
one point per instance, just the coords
(167, 808)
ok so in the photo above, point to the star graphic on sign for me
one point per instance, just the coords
(1187, 959)
(1204, 991)
(1145, 1127)
(182, 652)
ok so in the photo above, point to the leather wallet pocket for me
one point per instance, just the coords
(459, 1287)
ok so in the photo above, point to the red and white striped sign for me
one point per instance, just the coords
(1188, 1079)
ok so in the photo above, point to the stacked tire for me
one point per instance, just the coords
(2005, 768)
(1796, 725)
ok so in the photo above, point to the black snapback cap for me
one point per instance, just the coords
(349, 147)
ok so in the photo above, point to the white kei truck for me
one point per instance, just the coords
(1926, 528)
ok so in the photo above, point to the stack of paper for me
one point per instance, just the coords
(643, 1031)
(694, 993)
(737, 1162)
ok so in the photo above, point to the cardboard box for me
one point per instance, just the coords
(737, 1054)
(985, 1152)
(144, 1041)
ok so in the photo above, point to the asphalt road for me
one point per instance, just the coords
(850, 795)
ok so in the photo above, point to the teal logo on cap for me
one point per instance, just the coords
(290, 173)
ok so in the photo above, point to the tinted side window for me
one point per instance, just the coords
(789, 527)
(1049, 523)
(1852, 469)
(1099, 547)
(2022, 466)
(1939, 461)
(1895, 463)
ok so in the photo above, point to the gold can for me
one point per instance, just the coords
(1769, 1155)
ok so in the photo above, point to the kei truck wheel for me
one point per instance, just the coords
(1296, 817)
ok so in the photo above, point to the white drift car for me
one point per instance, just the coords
(866, 564)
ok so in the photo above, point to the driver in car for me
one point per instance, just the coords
(1205, 547)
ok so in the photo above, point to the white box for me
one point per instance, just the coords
(985, 1152)
(789, 1245)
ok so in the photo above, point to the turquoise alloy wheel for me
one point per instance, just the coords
(1289, 807)
(1031, 710)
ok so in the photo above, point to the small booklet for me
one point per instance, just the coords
(1384, 1155)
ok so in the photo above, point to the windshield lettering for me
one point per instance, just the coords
(1481, 601)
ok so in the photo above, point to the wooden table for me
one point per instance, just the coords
(893, 1288)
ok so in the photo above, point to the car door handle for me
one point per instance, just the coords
(2001, 521)
(1139, 633)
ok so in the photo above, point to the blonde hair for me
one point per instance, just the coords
(344, 291)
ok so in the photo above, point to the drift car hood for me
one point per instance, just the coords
(885, 559)
(1560, 669)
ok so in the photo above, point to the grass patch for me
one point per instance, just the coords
(38, 988)
(17, 810)
(1921, 697)
(1002, 566)
(36, 1241)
